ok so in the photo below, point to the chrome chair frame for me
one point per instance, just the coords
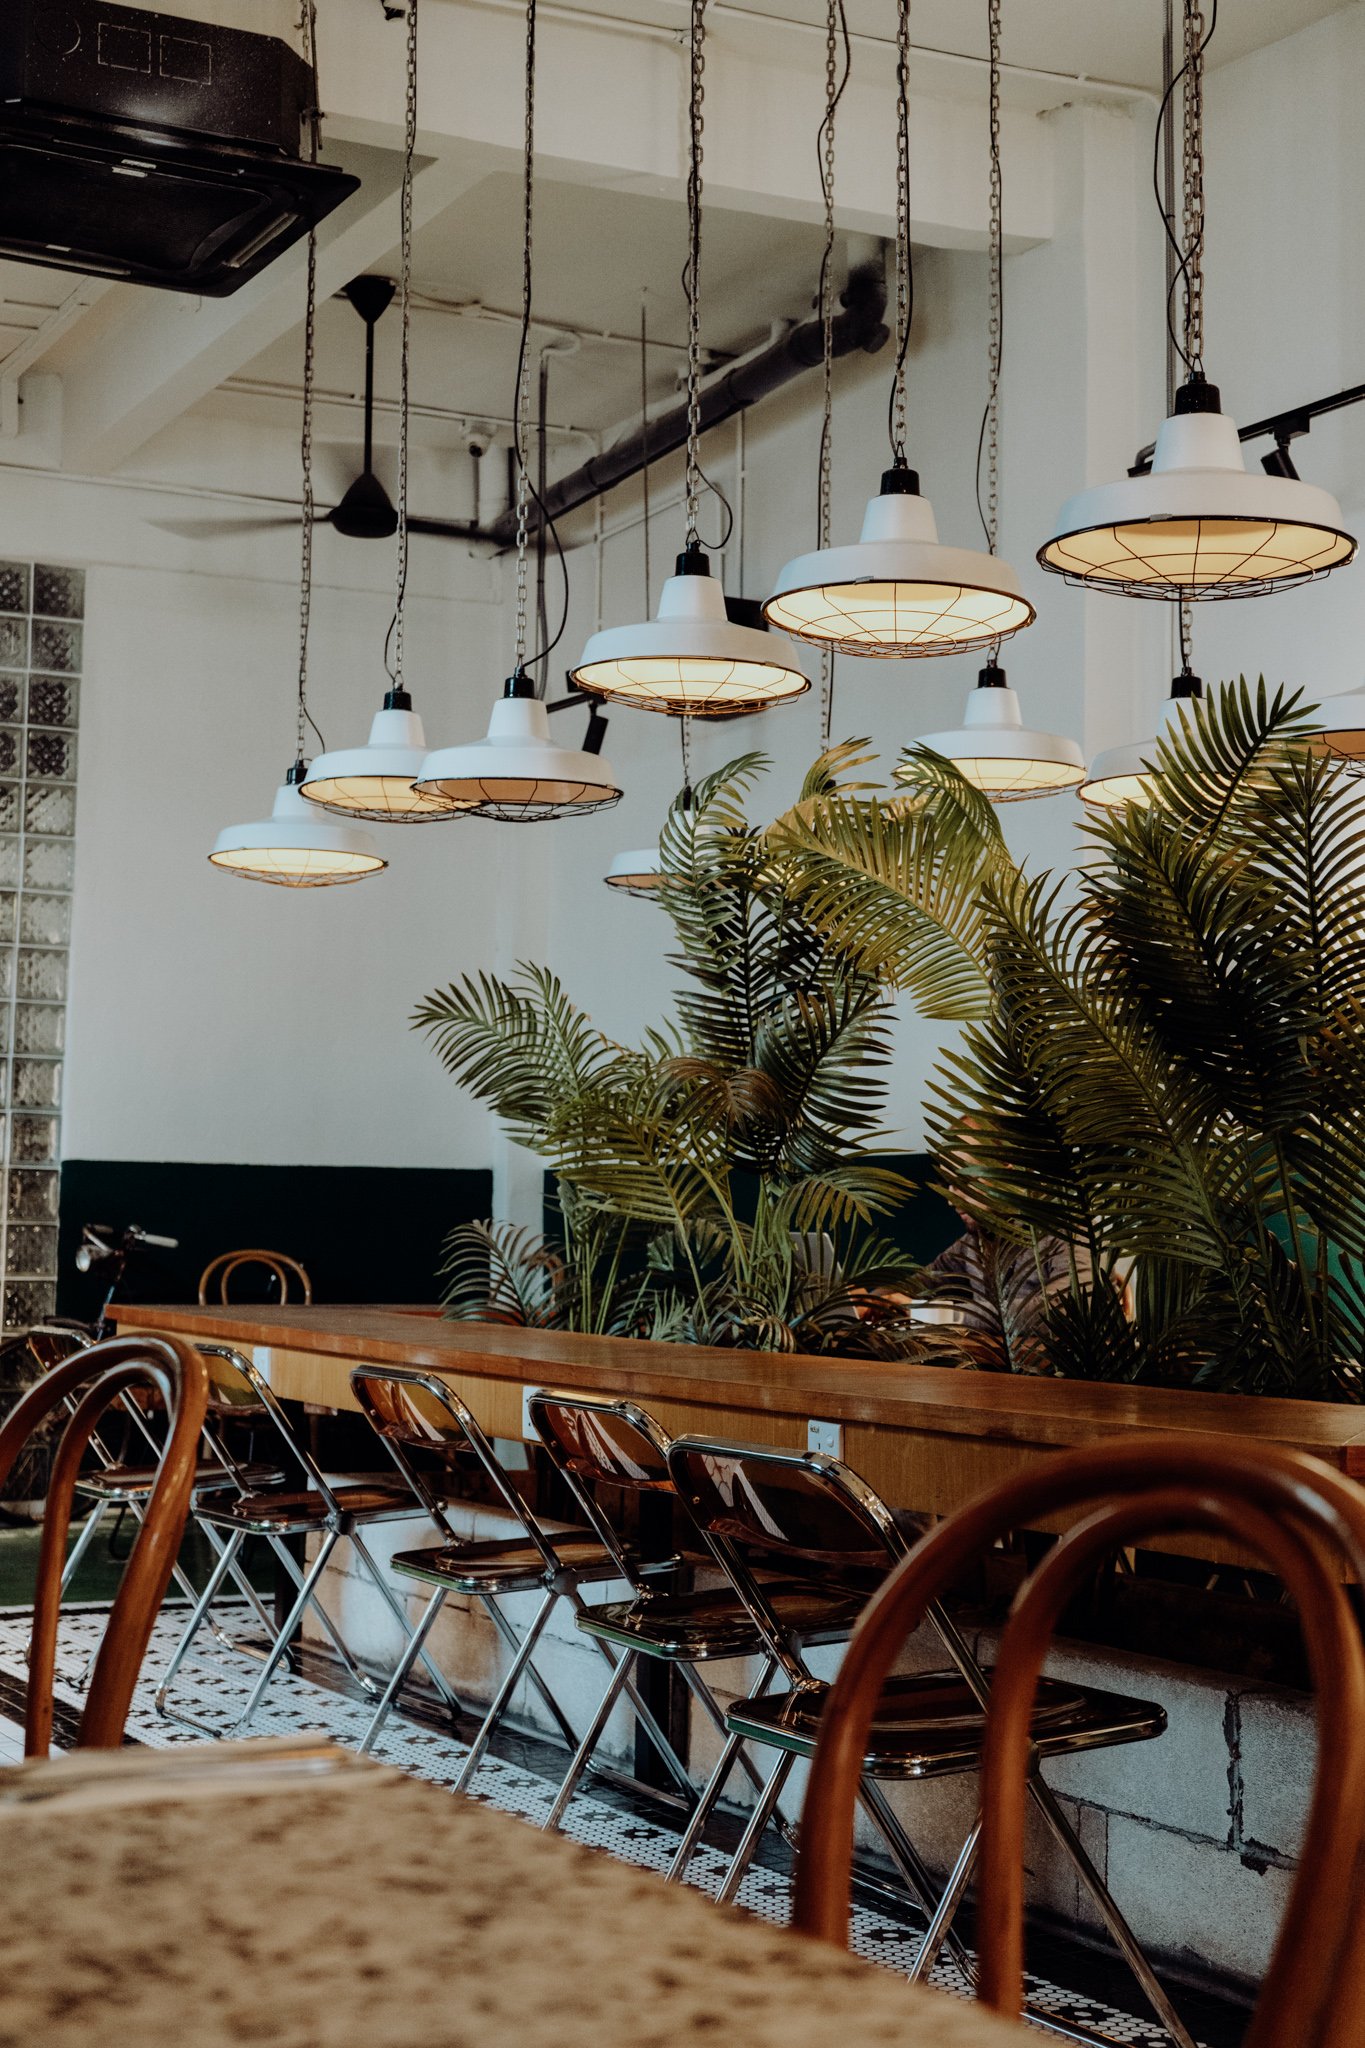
(230, 1516)
(694, 1638)
(460, 1565)
(862, 1501)
(133, 1495)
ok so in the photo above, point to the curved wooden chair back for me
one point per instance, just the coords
(219, 1272)
(93, 1380)
(1306, 1522)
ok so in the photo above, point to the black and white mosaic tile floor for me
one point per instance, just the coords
(212, 1688)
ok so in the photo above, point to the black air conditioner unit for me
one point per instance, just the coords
(139, 146)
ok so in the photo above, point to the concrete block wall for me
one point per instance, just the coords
(1195, 1833)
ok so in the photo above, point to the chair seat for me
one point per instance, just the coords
(692, 1627)
(505, 1564)
(930, 1724)
(131, 1482)
(296, 1514)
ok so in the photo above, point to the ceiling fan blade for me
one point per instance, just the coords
(223, 529)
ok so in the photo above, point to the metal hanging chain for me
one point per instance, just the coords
(309, 26)
(308, 29)
(1185, 616)
(905, 268)
(695, 97)
(836, 31)
(644, 438)
(523, 400)
(1192, 187)
(685, 743)
(996, 321)
(395, 665)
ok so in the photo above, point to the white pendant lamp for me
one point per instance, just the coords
(691, 659)
(1339, 726)
(297, 847)
(1127, 775)
(516, 772)
(376, 781)
(639, 873)
(1001, 756)
(1198, 525)
(898, 591)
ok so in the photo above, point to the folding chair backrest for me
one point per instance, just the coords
(239, 1391)
(595, 1440)
(414, 1413)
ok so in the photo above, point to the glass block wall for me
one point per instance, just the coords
(41, 609)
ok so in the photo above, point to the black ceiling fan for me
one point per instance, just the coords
(366, 511)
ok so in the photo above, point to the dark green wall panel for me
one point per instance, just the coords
(365, 1233)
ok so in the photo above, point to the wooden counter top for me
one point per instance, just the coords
(997, 1408)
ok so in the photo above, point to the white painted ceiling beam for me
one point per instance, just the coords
(610, 115)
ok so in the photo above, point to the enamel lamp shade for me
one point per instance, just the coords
(1339, 726)
(376, 781)
(638, 873)
(297, 846)
(1001, 756)
(517, 773)
(692, 659)
(898, 590)
(1126, 775)
(1199, 525)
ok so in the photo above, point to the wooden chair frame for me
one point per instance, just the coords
(278, 1263)
(95, 1379)
(1307, 1522)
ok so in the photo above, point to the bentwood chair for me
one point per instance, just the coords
(218, 1273)
(429, 1433)
(120, 1478)
(1306, 1522)
(600, 1441)
(325, 1510)
(93, 1379)
(805, 1511)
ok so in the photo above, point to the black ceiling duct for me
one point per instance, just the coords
(140, 146)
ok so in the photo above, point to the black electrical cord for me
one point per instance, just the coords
(1181, 273)
(905, 262)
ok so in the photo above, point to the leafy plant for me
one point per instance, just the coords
(1163, 1065)
(717, 1184)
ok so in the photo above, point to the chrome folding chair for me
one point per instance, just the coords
(322, 1509)
(802, 1512)
(600, 1441)
(427, 1429)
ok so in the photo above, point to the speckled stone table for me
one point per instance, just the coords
(376, 1912)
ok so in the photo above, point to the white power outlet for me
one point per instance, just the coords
(528, 1428)
(827, 1437)
(260, 1358)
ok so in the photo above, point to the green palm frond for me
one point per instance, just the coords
(496, 1273)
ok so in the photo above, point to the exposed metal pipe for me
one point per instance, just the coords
(861, 326)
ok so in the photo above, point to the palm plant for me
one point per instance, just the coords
(718, 1183)
(1163, 1062)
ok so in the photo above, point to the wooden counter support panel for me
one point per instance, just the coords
(927, 1437)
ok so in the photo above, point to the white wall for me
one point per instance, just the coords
(214, 1020)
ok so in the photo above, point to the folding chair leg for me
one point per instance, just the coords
(505, 1691)
(582, 1756)
(644, 1714)
(513, 1642)
(192, 1627)
(940, 1926)
(401, 1669)
(83, 1542)
(290, 1563)
(702, 1693)
(303, 1600)
(242, 1580)
(732, 1748)
(758, 1820)
(438, 1677)
(1122, 1933)
(918, 1881)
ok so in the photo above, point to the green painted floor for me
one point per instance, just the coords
(97, 1577)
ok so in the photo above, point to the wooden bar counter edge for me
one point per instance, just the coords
(927, 1437)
